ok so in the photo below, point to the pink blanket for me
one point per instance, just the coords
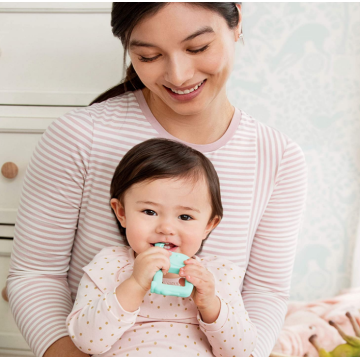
(304, 319)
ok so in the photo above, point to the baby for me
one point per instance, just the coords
(162, 192)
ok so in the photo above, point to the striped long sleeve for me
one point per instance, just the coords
(47, 217)
(282, 178)
(65, 219)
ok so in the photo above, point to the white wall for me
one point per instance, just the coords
(299, 72)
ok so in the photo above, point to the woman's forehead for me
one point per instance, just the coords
(179, 20)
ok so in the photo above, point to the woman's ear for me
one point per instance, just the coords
(212, 224)
(238, 30)
(119, 211)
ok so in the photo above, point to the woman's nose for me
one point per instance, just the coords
(179, 69)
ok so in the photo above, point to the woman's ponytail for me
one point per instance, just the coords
(132, 82)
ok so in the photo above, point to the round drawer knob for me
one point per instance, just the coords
(4, 294)
(9, 170)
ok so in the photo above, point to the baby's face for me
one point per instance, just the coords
(170, 211)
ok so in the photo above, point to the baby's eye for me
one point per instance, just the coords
(185, 217)
(149, 212)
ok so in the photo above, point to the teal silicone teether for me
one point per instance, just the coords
(176, 262)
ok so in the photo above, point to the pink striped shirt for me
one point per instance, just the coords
(64, 217)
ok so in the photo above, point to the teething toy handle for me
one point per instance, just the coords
(176, 263)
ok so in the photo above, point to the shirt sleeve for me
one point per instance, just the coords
(268, 276)
(39, 294)
(97, 320)
(233, 333)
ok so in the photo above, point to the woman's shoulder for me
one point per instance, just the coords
(263, 130)
(116, 109)
(269, 137)
(113, 110)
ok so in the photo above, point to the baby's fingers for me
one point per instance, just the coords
(196, 281)
(193, 261)
(201, 278)
(196, 270)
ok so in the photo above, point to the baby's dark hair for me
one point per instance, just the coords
(161, 159)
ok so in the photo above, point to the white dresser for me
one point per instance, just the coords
(54, 57)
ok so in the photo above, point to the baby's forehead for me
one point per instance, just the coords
(189, 183)
(168, 189)
(193, 179)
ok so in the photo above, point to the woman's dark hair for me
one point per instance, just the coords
(162, 159)
(125, 16)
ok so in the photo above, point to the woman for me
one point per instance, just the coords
(182, 55)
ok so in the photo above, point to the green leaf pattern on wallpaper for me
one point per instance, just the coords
(299, 72)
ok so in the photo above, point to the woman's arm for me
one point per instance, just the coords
(47, 217)
(64, 347)
(268, 276)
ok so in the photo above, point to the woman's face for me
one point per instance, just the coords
(167, 54)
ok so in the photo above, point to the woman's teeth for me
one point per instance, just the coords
(187, 91)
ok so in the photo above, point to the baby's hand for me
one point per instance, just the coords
(204, 287)
(148, 263)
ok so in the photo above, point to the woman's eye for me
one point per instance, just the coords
(199, 50)
(149, 212)
(185, 217)
(144, 59)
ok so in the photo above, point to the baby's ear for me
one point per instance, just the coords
(212, 224)
(119, 211)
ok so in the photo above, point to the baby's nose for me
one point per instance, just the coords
(166, 228)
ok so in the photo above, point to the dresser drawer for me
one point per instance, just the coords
(57, 54)
(17, 149)
(20, 130)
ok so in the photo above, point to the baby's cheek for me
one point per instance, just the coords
(194, 238)
(136, 236)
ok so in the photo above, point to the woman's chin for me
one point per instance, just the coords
(187, 109)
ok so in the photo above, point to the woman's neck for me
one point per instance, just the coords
(203, 128)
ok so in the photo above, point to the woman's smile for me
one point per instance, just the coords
(186, 95)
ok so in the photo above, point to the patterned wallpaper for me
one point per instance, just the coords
(299, 72)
